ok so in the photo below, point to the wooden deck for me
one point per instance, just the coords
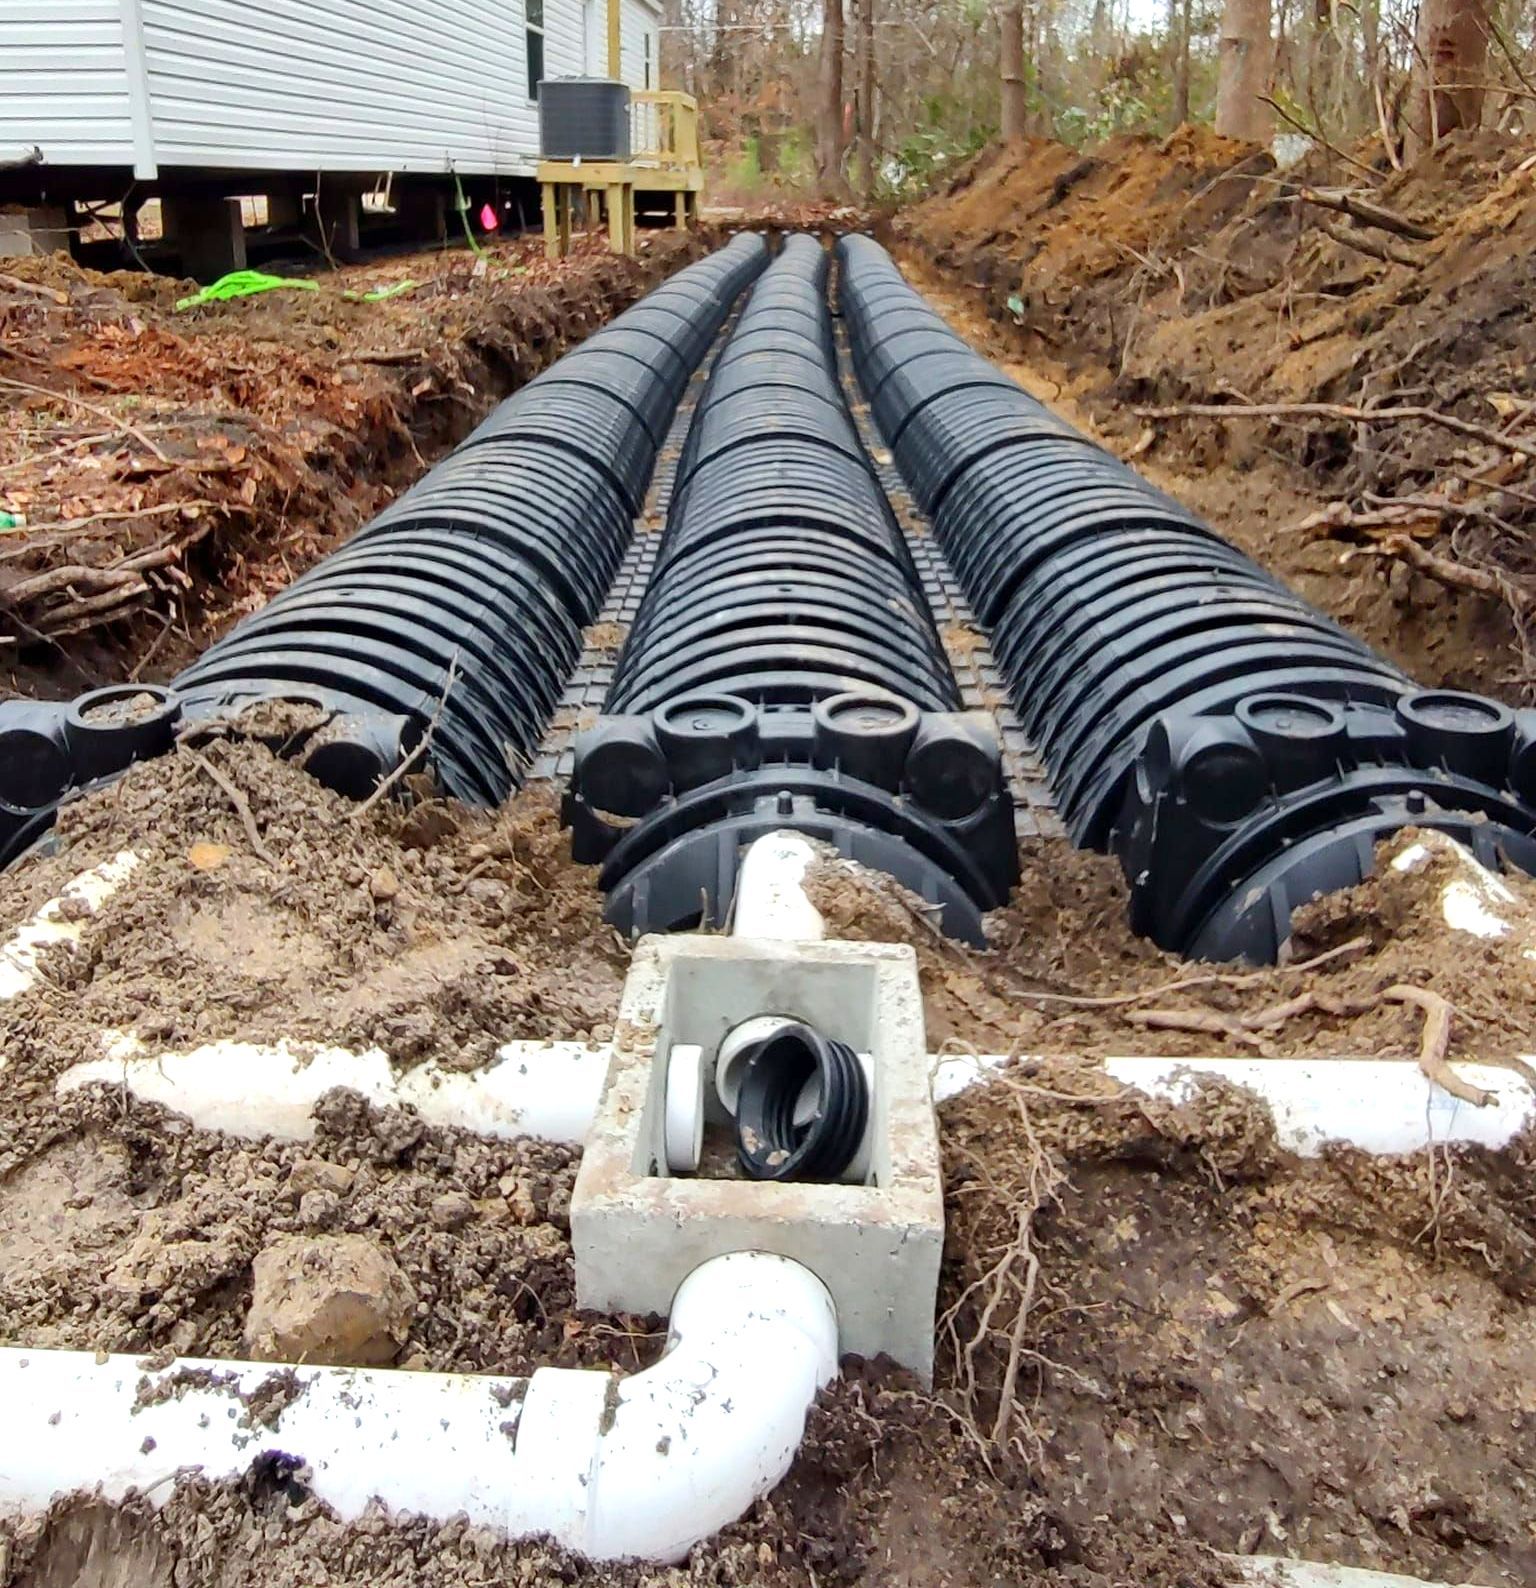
(665, 140)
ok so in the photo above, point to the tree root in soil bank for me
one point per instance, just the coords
(1434, 1041)
(1012, 1278)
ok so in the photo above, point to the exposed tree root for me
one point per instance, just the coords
(1434, 1041)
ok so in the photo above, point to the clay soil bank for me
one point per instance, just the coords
(1154, 274)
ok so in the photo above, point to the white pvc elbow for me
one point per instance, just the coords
(771, 901)
(647, 1466)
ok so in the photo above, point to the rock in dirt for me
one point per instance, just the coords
(451, 1211)
(331, 1299)
(318, 1174)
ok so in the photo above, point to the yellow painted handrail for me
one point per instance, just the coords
(665, 126)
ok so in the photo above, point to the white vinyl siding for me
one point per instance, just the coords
(64, 82)
(636, 19)
(348, 85)
(292, 85)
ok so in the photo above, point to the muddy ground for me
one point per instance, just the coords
(1152, 275)
(1224, 1349)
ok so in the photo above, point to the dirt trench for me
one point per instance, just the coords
(1221, 1348)
(168, 470)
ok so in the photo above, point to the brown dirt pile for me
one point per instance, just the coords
(1065, 975)
(175, 469)
(1190, 271)
(1325, 1359)
(1047, 222)
(433, 932)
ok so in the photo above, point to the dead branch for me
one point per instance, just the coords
(1455, 575)
(1346, 413)
(404, 355)
(1365, 245)
(90, 408)
(1351, 950)
(1434, 1042)
(1367, 213)
(1509, 55)
(417, 756)
(236, 798)
(86, 585)
(1383, 125)
(1207, 1022)
(16, 284)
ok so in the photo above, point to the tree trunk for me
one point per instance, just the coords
(1370, 41)
(829, 113)
(1015, 96)
(1243, 71)
(1179, 22)
(864, 96)
(1323, 67)
(1450, 70)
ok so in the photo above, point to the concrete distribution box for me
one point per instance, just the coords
(639, 1230)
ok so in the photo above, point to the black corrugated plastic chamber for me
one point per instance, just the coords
(1239, 751)
(783, 669)
(456, 615)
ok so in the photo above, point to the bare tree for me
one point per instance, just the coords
(829, 109)
(1179, 22)
(1243, 62)
(1449, 73)
(1015, 91)
(864, 95)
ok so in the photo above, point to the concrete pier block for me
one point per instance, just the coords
(42, 229)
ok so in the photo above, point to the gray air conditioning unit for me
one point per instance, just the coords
(584, 118)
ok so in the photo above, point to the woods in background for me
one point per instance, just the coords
(876, 97)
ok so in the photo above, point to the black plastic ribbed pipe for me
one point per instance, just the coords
(783, 669)
(1238, 750)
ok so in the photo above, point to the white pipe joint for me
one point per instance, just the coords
(641, 1467)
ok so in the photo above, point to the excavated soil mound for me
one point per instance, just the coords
(1066, 975)
(1155, 275)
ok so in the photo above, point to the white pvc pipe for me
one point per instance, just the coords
(646, 1466)
(1381, 1105)
(771, 901)
(1272, 1571)
(1474, 900)
(59, 921)
(544, 1089)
